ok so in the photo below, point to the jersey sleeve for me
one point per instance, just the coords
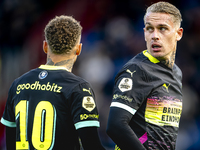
(83, 107)
(131, 88)
(8, 118)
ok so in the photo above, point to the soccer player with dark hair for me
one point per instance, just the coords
(49, 107)
(147, 100)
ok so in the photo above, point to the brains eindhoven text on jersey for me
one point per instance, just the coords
(37, 86)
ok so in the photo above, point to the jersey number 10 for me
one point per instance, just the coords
(43, 125)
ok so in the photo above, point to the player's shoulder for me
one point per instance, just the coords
(80, 86)
(134, 64)
(70, 80)
(177, 71)
(24, 76)
(80, 81)
(20, 79)
(71, 77)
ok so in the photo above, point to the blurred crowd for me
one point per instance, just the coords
(112, 34)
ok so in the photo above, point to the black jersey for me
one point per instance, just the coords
(152, 93)
(47, 105)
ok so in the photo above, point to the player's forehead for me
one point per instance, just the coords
(155, 19)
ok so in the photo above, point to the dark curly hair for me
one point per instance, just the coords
(62, 34)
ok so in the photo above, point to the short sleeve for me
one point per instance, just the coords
(83, 107)
(8, 118)
(131, 88)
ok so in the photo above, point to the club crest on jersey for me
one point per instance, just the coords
(88, 103)
(43, 74)
(125, 84)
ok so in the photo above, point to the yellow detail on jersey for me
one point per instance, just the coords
(117, 148)
(43, 127)
(37, 86)
(86, 90)
(130, 72)
(163, 112)
(20, 112)
(85, 116)
(151, 58)
(49, 67)
(43, 110)
(166, 87)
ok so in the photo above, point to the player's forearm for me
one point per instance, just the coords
(121, 133)
(90, 139)
(10, 138)
(124, 138)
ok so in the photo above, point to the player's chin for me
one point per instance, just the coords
(157, 54)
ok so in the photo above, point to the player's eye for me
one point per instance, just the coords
(150, 29)
(163, 28)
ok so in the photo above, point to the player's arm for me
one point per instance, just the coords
(8, 119)
(129, 92)
(90, 138)
(85, 116)
(10, 132)
(10, 138)
(120, 132)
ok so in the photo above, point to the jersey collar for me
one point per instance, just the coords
(150, 57)
(49, 67)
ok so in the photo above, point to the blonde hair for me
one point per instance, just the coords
(165, 7)
(62, 34)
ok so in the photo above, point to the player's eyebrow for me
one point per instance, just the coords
(147, 23)
(159, 25)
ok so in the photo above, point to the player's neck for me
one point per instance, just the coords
(170, 61)
(66, 62)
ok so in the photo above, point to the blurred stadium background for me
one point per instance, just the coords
(112, 34)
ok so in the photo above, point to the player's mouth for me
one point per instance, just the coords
(156, 47)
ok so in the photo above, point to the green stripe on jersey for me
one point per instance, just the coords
(8, 123)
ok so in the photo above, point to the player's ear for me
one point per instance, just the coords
(144, 33)
(45, 46)
(179, 34)
(79, 48)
